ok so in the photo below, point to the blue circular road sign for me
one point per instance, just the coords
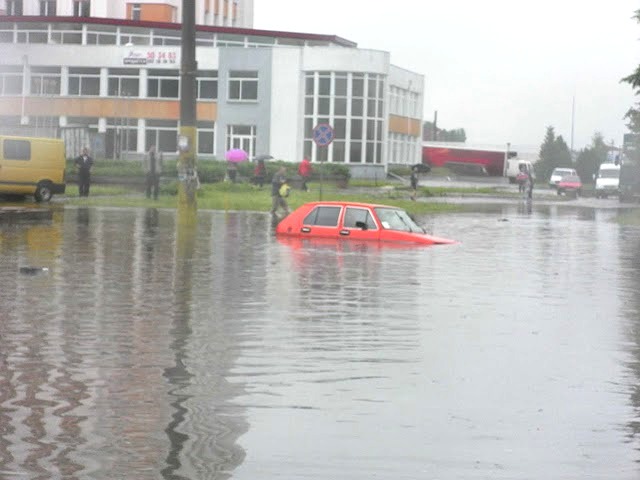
(323, 134)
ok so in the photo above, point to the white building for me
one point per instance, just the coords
(228, 13)
(258, 90)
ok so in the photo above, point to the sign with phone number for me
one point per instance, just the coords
(151, 57)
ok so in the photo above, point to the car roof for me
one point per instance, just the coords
(350, 204)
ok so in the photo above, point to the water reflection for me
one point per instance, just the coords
(222, 352)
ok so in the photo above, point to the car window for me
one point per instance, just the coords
(354, 215)
(17, 150)
(323, 217)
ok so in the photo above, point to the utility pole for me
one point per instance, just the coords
(187, 174)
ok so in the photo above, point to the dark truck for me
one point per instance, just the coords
(629, 186)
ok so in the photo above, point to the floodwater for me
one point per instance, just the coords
(146, 352)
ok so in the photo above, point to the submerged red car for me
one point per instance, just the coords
(570, 184)
(358, 221)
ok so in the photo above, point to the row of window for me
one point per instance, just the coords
(48, 8)
(123, 82)
(353, 104)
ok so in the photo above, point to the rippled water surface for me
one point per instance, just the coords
(148, 352)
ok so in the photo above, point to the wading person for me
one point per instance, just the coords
(84, 163)
(277, 200)
(153, 169)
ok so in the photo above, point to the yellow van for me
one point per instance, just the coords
(32, 166)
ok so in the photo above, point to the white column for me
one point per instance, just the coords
(102, 125)
(64, 81)
(26, 82)
(84, 34)
(104, 82)
(142, 131)
(62, 122)
(143, 83)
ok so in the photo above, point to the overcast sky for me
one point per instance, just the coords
(501, 69)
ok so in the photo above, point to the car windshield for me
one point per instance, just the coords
(395, 219)
(561, 172)
(570, 178)
(609, 173)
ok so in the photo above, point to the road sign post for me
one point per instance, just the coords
(323, 135)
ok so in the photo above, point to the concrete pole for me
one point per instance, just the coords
(187, 174)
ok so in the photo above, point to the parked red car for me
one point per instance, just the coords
(570, 185)
(357, 221)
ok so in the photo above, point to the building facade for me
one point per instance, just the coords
(258, 90)
(228, 13)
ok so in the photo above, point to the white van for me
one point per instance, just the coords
(607, 180)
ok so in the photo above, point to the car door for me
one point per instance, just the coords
(358, 223)
(322, 222)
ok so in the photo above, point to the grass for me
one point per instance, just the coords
(242, 196)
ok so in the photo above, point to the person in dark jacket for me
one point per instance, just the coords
(414, 182)
(84, 163)
(277, 200)
(153, 170)
(260, 172)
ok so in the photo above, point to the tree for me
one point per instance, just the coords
(633, 114)
(554, 152)
(441, 135)
(590, 158)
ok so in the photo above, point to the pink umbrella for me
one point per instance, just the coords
(236, 155)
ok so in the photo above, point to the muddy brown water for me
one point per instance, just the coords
(146, 352)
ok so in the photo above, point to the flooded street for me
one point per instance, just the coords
(144, 352)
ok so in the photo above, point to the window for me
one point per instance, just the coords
(243, 86)
(48, 8)
(206, 138)
(163, 84)
(14, 7)
(123, 82)
(163, 134)
(84, 81)
(45, 80)
(355, 216)
(242, 136)
(81, 8)
(207, 85)
(323, 217)
(135, 11)
(17, 150)
(353, 103)
(10, 80)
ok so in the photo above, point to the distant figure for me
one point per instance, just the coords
(232, 171)
(525, 180)
(304, 170)
(414, 183)
(277, 200)
(260, 172)
(153, 169)
(84, 163)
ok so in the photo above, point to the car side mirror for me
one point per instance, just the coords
(361, 225)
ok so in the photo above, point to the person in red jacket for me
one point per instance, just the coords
(304, 170)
